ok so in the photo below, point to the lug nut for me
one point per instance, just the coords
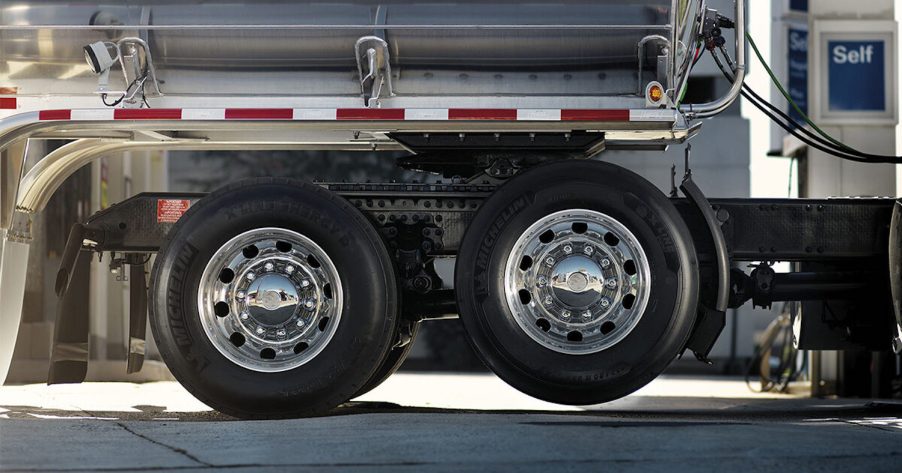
(565, 314)
(587, 315)
(240, 295)
(549, 261)
(289, 269)
(309, 304)
(280, 332)
(251, 276)
(305, 283)
(259, 330)
(605, 263)
(300, 323)
(611, 283)
(568, 249)
(268, 266)
(605, 303)
(244, 316)
(588, 250)
(541, 281)
(548, 300)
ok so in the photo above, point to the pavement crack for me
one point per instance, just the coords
(176, 450)
(180, 451)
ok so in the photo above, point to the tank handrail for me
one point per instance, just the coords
(713, 108)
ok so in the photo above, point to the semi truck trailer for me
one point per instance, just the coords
(577, 281)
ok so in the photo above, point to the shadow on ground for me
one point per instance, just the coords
(636, 411)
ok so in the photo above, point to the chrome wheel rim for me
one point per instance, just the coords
(577, 281)
(270, 299)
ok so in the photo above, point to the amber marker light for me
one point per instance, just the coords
(654, 93)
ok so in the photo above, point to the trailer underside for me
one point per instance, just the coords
(93, 133)
(840, 248)
(423, 224)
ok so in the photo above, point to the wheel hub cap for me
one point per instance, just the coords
(577, 281)
(270, 299)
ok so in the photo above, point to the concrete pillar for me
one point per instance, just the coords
(825, 175)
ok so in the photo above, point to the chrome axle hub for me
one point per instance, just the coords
(270, 299)
(273, 301)
(577, 281)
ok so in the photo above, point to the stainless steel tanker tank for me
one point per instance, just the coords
(570, 47)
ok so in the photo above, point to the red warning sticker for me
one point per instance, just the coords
(170, 210)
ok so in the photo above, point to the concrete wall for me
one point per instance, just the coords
(829, 176)
(108, 299)
(130, 174)
(720, 159)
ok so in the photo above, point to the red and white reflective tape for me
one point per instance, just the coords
(7, 102)
(372, 114)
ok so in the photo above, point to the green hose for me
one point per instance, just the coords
(789, 99)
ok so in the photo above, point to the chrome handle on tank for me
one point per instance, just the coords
(148, 62)
(641, 47)
(373, 50)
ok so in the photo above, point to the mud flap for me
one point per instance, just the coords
(69, 356)
(137, 318)
(707, 330)
(710, 322)
(895, 272)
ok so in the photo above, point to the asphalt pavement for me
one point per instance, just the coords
(447, 422)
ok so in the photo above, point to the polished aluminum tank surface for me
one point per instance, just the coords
(588, 46)
(322, 34)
